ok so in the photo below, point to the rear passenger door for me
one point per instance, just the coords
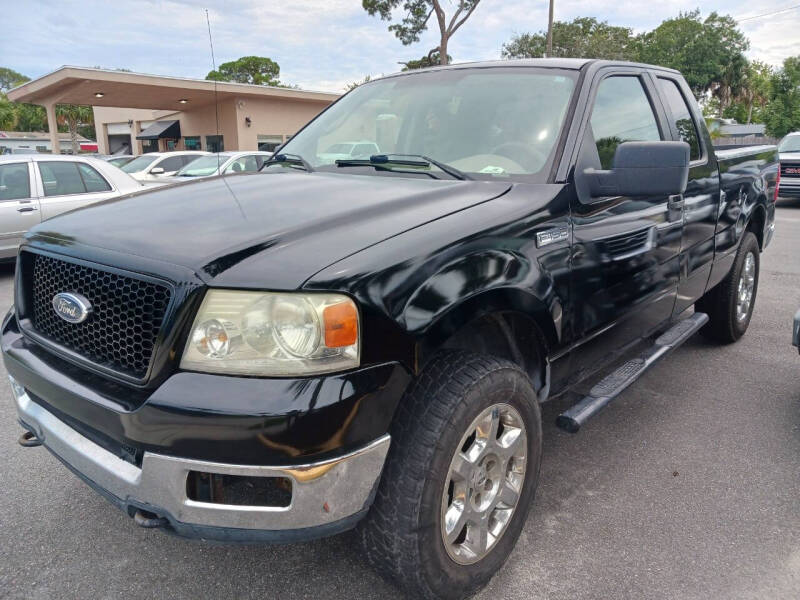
(67, 185)
(19, 206)
(625, 249)
(701, 199)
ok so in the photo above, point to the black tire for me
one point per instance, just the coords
(720, 303)
(401, 535)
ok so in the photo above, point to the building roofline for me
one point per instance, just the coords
(66, 71)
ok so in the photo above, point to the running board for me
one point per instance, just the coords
(613, 384)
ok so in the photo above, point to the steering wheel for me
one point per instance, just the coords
(529, 157)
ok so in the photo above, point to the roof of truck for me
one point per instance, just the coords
(574, 64)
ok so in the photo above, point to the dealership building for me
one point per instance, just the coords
(136, 113)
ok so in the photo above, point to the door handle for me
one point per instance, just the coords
(675, 201)
(26, 209)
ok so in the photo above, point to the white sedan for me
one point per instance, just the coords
(224, 163)
(154, 166)
(35, 187)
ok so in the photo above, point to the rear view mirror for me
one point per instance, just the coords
(643, 169)
(157, 171)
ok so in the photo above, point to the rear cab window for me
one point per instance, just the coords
(681, 116)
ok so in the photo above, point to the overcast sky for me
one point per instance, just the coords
(319, 44)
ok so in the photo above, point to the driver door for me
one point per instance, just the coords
(625, 256)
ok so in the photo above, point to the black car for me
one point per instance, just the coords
(365, 341)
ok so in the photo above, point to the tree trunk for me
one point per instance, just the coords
(443, 49)
(73, 135)
(549, 50)
(750, 112)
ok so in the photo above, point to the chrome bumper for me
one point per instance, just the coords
(323, 493)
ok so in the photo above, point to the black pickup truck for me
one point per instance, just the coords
(348, 341)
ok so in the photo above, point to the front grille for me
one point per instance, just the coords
(127, 314)
(790, 169)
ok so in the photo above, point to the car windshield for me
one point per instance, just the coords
(790, 144)
(489, 123)
(138, 164)
(203, 166)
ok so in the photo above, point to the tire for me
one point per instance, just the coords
(727, 322)
(403, 536)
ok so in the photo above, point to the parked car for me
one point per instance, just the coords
(35, 187)
(155, 165)
(119, 160)
(362, 149)
(224, 163)
(789, 149)
(366, 341)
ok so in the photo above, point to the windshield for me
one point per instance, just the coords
(490, 123)
(205, 165)
(138, 164)
(790, 144)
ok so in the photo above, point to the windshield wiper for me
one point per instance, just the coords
(289, 159)
(402, 160)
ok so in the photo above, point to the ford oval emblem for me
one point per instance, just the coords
(73, 308)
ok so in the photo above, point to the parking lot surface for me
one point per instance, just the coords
(688, 486)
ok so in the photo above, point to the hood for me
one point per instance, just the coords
(792, 156)
(265, 230)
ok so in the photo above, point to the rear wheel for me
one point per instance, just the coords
(730, 304)
(460, 477)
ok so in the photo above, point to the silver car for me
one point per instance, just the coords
(35, 187)
(223, 163)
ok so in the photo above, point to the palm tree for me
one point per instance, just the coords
(73, 115)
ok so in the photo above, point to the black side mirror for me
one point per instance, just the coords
(643, 169)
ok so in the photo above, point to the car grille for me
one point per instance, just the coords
(790, 169)
(127, 313)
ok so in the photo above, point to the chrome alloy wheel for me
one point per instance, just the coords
(484, 483)
(744, 291)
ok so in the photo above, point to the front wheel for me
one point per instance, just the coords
(730, 304)
(460, 477)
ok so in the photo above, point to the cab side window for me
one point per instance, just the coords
(173, 163)
(14, 181)
(681, 116)
(621, 113)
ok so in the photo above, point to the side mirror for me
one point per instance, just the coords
(157, 171)
(643, 169)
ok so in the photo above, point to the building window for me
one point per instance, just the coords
(268, 143)
(171, 145)
(214, 143)
(192, 142)
(149, 146)
(41, 149)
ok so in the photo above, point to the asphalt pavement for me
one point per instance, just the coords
(688, 486)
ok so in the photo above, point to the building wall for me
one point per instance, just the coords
(268, 117)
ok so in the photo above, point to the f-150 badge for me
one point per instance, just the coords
(551, 236)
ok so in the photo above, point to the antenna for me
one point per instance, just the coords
(214, 68)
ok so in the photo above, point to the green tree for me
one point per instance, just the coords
(755, 90)
(9, 79)
(355, 84)
(431, 60)
(30, 117)
(257, 70)
(782, 112)
(708, 52)
(417, 15)
(73, 116)
(583, 37)
(8, 116)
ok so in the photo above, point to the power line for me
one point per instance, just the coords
(774, 12)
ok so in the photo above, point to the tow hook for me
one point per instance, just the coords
(29, 440)
(149, 520)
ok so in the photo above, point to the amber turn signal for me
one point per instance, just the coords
(341, 325)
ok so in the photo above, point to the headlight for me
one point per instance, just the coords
(273, 334)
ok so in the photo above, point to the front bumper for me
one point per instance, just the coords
(327, 496)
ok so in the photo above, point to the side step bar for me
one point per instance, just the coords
(613, 384)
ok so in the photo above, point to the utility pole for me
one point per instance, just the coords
(549, 50)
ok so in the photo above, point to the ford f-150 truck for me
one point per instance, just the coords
(364, 341)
